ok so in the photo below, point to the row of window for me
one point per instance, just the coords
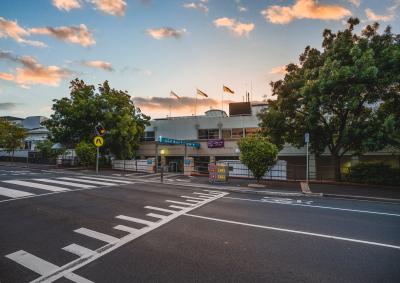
(210, 134)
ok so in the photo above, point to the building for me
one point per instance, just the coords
(217, 135)
(36, 132)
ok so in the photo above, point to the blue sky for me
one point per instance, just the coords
(152, 47)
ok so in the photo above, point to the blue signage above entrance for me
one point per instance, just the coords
(164, 140)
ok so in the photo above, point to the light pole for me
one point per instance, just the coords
(162, 153)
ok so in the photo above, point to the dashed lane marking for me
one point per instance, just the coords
(78, 250)
(179, 202)
(96, 235)
(296, 232)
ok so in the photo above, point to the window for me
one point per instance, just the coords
(226, 133)
(208, 134)
(149, 136)
(252, 131)
(237, 133)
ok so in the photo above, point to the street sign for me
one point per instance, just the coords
(306, 137)
(98, 141)
(100, 131)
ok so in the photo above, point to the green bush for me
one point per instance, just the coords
(374, 173)
(86, 153)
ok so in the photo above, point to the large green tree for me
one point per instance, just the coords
(339, 94)
(75, 118)
(12, 136)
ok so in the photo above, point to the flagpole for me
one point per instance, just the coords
(195, 106)
(222, 99)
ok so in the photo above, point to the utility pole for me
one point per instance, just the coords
(307, 141)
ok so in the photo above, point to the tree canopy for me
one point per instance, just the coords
(12, 136)
(342, 95)
(75, 117)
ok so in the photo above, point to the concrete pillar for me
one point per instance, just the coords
(312, 167)
(188, 166)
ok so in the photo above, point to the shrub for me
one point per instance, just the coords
(86, 153)
(258, 154)
(374, 173)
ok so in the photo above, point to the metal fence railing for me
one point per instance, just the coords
(138, 165)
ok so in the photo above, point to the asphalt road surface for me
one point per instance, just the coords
(61, 226)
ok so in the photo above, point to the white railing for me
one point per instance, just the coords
(130, 165)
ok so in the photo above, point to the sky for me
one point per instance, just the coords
(153, 47)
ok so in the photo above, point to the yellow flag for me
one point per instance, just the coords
(199, 92)
(227, 89)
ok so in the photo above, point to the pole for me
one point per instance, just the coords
(162, 171)
(222, 99)
(307, 165)
(195, 107)
(97, 161)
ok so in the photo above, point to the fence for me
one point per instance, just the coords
(139, 165)
(238, 169)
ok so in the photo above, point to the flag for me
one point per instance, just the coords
(199, 92)
(227, 89)
(174, 94)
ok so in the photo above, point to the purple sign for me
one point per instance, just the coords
(215, 143)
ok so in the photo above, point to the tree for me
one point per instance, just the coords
(258, 154)
(46, 150)
(86, 153)
(336, 94)
(74, 118)
(12, 136)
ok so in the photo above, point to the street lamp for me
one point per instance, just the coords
(162, 153)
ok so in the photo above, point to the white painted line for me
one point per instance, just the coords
(13, 193)
(106, 179)
(37, 186)
(155, 215)
(88, 181)
(212, 192)
(78, 250)
(202, 195)
(160, 209)
(102, 251)
(96, 235)
(297, 232)
(319, 206)
(133, 219)
(126, 229)
(76, 278)
(194, 201)
(179, 202)
(64, 183)
(177, 207)
(189, 197)
(32, 262)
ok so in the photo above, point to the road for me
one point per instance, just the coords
(63, 226)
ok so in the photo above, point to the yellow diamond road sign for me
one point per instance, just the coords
(98, 141)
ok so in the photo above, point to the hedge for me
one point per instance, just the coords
(374, 173)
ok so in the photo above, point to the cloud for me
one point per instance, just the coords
(112, 7)
(304, 9)
(165, 32)
(12, 30)
(6, 76)
(201, 6)
(281, 70)
(32, 73)
(355, 2)
(7, 105)
(67, 5)
(389, 16)
(236, 27)
(183, 104)
(242, 9)
(75, 34)
(98, 64)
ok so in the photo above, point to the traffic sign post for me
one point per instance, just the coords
(307, 141)
(98, 142)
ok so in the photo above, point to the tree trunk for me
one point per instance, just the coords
(336, 167)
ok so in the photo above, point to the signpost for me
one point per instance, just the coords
(307, 141)
(98, 142)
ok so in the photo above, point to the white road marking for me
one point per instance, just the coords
(37, 186)
(194, 201)
(189, 197)
(126, 229)
(87, 181)
(297, 232)
(105, 179)
(160, 209)
(96, 235)
(14, 193)
(80, 262)
(32, 262)
(177, 207)
(155, 215)
(78, 250)
(64, 183)
(202, 195)
(76, 278)
(133, 219)
(178, 202)
(319, 206)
